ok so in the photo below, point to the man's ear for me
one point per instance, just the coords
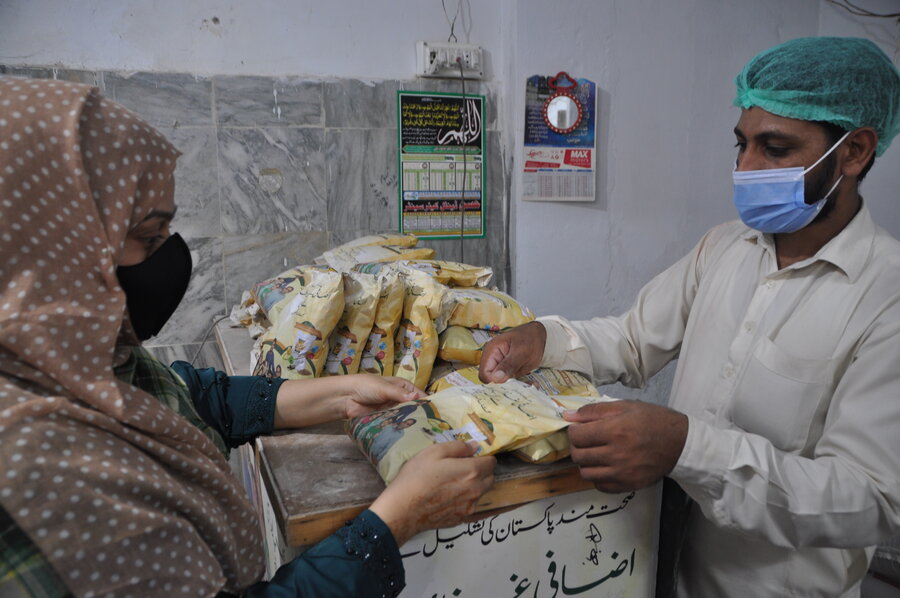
(859, 149)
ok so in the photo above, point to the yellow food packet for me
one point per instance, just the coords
(272, 295)
(449, 273)
(569, 389)
(343, 259)
(499, 417)
(452, 273)
(346, 343)
(566, 383)
(547, 450)
(554, 382)
(487, 309)
(556, 446)
(378, 355)
(396, 239)
(296, 344)
(442, 368)
(425, 310)
(463, 344)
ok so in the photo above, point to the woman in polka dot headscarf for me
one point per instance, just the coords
(113, 479)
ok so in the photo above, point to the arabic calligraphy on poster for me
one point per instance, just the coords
(559, 166)
(441, 164)
(582, 544)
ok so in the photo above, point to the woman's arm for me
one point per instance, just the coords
(319, 400)
(241, 408)
(437, 488)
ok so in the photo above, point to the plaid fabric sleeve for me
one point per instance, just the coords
(24, 572)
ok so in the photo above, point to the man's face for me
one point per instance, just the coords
(767, 141)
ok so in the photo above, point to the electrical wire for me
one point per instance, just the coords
(452, 23)
(462, 201)
(206, 336)
(863, 12)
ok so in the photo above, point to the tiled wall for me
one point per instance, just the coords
(274, 171)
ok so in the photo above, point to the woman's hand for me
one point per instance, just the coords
(319, 400)
(369, 392)
(439, 487)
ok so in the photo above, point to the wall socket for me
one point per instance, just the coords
(438, 59)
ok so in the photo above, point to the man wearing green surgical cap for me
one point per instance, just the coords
(780, 448)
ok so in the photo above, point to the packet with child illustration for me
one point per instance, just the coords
(499, 417)
(303, 305)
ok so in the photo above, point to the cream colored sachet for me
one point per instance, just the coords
(343, 259)
(487, 309)
(346, 343)
(272, 295)
(395, 239)
(551, 381)
(556, 446)
(457, 343)
(569, 389)
(442, 368)
(451, 273)
(378, 355)
(296, 344)
(425, 310)
(499, 417)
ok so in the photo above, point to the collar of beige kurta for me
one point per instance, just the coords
(849, 251)
(120, 494)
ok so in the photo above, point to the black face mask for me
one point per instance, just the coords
(155, 287)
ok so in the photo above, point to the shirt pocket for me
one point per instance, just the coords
(780, 394)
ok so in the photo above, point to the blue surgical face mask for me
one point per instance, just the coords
(772, 201)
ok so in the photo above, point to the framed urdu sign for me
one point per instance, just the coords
(442, 164)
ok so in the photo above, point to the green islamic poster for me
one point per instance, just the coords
(441, 161)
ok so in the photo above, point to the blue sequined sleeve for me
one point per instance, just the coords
(361, 560)
(240, 408)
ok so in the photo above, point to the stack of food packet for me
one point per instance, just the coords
(381, 305)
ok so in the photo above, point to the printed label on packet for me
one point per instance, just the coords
(467, 433)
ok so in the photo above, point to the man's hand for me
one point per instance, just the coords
(626, 445)
(514, 353)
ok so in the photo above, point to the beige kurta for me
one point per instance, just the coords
(791, 382)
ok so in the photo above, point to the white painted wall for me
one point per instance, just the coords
(336, 38)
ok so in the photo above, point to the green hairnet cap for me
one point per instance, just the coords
(846, 81)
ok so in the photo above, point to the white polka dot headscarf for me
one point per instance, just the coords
(121, 494)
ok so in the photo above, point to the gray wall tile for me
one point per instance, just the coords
(272, 180)
(196, 181)
(264, 101)
(163, 98)
(88, 77)
(497, 182)
(362, 179)
(350, 103)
